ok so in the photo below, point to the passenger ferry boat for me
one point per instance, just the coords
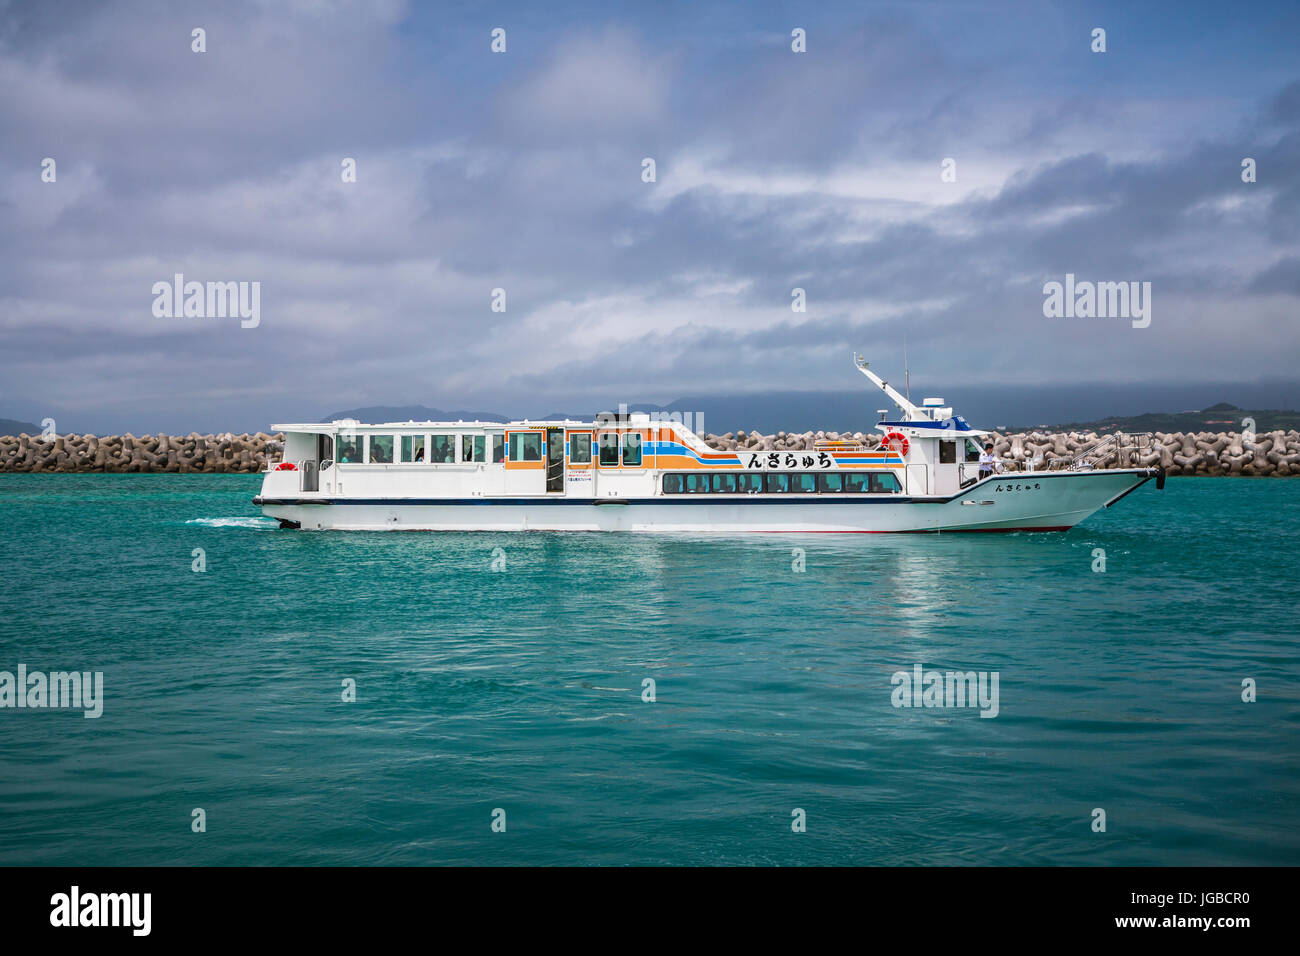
(632, 473)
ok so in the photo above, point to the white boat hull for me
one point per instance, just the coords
(1027, 501)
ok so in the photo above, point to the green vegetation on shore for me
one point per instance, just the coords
(1222, 417)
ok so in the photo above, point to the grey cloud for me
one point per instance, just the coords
(1282, 277)
(523, 172)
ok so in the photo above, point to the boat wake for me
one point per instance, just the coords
(243, 521)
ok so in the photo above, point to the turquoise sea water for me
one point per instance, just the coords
(521, 689)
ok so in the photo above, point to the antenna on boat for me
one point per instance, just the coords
(910, 411)
(907, 372)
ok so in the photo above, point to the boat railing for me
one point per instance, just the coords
(1116, 450)
(846, 444)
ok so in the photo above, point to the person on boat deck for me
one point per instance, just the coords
(989, 461)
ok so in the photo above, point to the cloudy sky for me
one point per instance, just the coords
(522, 171)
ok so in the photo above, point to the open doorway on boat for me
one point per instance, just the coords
(312, 467)
(555, 459)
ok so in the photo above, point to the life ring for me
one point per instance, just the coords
(286, 466)
(898, 441)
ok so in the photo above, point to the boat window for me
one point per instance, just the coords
(381, 449)
(972, 450)
(579, 448)
(723, 484)
(350, 449)
(632, 448)
(525, 446)
(855, 482)
(472, 448)
(947, 453)
(885, 484)
(442, 449)
(830, 484)
(498, 449)
(779, 483)
(412, 448)
(609, 449)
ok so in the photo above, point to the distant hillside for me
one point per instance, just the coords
(11, 426)
(1223, 417)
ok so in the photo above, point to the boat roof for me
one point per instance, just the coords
(924, 426)
(352, 424)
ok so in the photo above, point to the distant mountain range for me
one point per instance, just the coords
(11, 426)
(1222, 417)
(1003, 405)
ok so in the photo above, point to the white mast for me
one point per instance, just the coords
(907, 372)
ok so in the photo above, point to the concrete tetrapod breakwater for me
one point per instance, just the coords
(210, 454)
(1275, 453)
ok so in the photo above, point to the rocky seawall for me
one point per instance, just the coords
(1274, 454)
(210, 454)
